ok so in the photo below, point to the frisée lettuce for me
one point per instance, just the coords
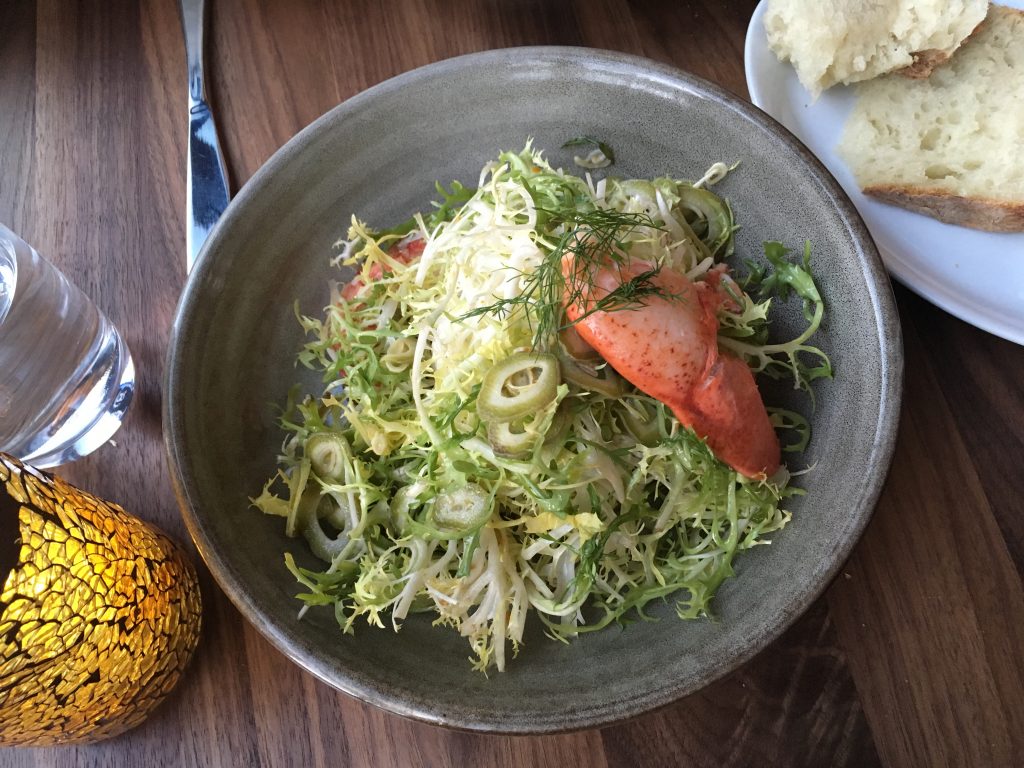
(463, 461)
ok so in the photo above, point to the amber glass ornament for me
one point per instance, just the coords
(99, 613)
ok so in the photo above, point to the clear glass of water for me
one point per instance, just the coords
(66, 376)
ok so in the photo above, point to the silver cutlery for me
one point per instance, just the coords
(207, 189)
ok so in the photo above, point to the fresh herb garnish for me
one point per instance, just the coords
(593, 240)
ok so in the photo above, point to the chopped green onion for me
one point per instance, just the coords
(322, 545)
(506, 442)
(462, 510)
(328, 453)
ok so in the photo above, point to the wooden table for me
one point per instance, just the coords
(915, 656)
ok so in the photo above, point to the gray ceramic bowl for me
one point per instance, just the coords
(378, 154)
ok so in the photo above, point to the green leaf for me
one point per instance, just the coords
(791, 420)
(588, 141)
(788, 275)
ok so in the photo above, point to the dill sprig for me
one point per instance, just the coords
(595, 239)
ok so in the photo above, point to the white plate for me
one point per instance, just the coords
(977, 276)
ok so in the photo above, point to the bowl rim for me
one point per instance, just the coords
(887, 324)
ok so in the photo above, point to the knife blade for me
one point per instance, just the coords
(206, 192)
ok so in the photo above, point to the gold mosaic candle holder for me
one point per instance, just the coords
(99, 614)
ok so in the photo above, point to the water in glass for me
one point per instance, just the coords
(66, 376)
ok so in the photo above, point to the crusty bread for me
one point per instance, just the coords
(951, 146)
(845, 41)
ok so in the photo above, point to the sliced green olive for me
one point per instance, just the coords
(713, 210)
(328, 453)
(518, 386)
(593, 376)
(509, 439)
(461, 510)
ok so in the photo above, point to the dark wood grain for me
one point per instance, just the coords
(988, 378)
(914, 657)
(933, 588)
(796, 702)
(17, 90)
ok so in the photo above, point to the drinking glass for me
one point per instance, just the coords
(66, 376)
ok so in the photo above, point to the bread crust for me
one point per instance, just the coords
(978, 212)
(924, 62)
(927, 60)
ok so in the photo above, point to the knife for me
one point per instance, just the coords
(207, 188)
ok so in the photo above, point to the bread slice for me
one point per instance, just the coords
(845, 41)
(951, 146)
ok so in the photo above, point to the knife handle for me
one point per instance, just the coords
(206, 188)
(192, 15)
